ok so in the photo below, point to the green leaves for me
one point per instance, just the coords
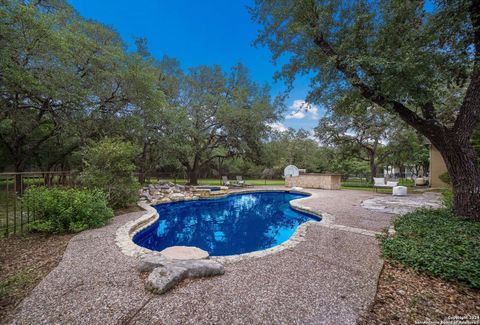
(219, 115)
(109, 167)
(58, 210)
(65, 79)
(405, 51)
(439, 243)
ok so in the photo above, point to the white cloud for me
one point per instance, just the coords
(301, 109)
(296, 115)
(313, 137)
(277, 126)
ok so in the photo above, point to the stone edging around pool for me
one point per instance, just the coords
(124, 234)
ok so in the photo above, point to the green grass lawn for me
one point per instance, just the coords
(365, 188)
(363, 185)
(212, 181)
(360, 185)
(27, 180)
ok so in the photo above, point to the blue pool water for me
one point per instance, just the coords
(234, 224)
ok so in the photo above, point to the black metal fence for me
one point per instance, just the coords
(14, 216)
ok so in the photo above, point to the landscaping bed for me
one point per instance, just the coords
(405, 296)
(24, 262)
(432, 271)
(438, 243)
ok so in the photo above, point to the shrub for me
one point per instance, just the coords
(448, 200)
(108, 166)
(59, 210)
(439, 243)
(445, 177)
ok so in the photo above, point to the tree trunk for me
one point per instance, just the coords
(193, 171)
(464, 172)
(19, 168)
(142, 165)
(373, 167)
(193, 177)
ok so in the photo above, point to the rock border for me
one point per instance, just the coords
(125, 234)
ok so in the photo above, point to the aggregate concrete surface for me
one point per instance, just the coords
(330, 278)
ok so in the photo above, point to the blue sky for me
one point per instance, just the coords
(201, 32)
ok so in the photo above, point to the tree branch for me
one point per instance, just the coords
(341, 64)
(469, 115)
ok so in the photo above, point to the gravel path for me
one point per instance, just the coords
(346, 207)
(328, 279)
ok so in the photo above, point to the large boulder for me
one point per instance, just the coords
(149, 262)
(165, 277)
(146, 196)
(177, 196)
(164, 200)
(201, 268)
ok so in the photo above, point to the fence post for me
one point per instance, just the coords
(6, 202)
(21, 205)
(15, 206)
(28, 212)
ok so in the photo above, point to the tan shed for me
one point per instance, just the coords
(437, 168)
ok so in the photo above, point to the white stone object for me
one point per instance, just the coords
(297, 188)
(399, 191)
(184, 253)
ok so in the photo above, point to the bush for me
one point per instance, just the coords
(108, 166)
(59, 210)
(439, 243)
(445, 177)
(448, 200)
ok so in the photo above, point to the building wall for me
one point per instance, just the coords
(323, 181)
(437, 168)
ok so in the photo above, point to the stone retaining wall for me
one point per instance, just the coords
(311, 180)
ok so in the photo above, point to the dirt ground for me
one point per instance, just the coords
(25, 260)
(407, 297)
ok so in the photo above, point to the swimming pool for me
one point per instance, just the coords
(235, 224)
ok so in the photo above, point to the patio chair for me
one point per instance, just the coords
(379, 182)
(225, 181)
(240, 181)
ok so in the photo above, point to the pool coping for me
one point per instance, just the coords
(124, 234)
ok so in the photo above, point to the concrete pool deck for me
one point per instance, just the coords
(330, 278)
